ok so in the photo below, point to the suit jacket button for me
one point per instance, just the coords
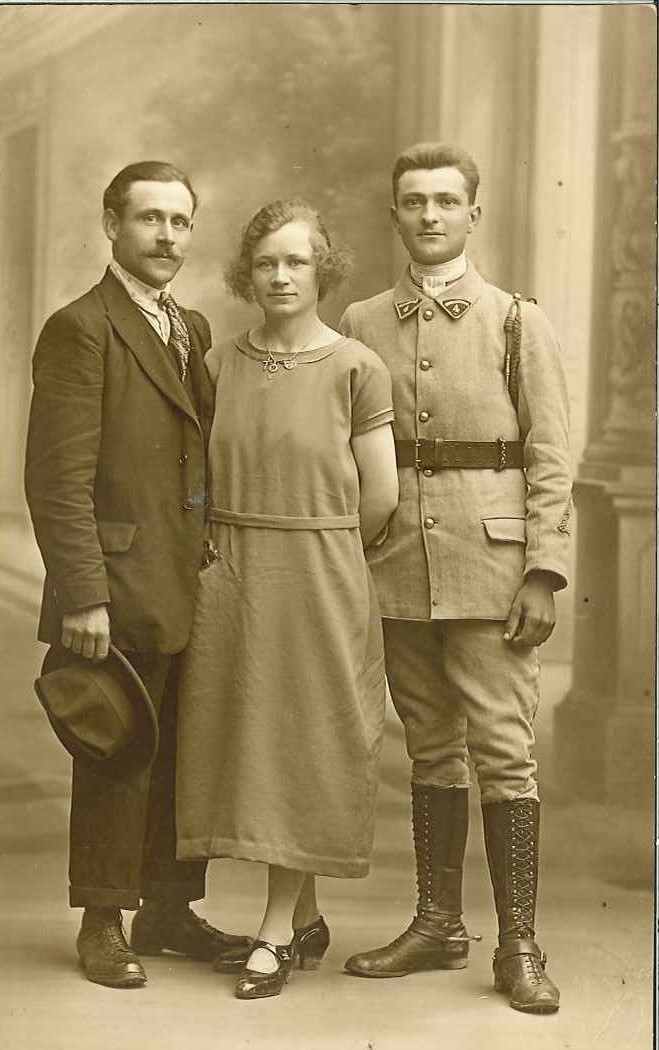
(428, 472)
(424, 416)
(428, 523)
(183, 458)
(428, 314)
(424, 365)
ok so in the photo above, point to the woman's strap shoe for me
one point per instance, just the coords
(312, 942)
(254, 984)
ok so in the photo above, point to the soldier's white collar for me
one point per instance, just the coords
(433, 279)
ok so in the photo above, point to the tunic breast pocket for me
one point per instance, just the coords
(505, 530)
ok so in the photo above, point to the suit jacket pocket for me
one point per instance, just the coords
(115, 537)
(505, 530)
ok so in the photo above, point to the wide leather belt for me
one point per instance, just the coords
(438, 454)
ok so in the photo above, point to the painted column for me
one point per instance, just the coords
(604, 729)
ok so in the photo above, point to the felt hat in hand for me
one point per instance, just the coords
(101, 712)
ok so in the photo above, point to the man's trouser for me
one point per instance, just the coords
(123, 831)
(461, 690)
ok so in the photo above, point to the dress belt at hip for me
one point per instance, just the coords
(282, 521)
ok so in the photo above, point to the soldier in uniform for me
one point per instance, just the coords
(468, 565)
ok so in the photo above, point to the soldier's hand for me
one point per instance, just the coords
(87, 632)
(532, 615)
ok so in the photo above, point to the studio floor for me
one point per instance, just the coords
(595, 917)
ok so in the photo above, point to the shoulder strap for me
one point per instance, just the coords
(513, 329)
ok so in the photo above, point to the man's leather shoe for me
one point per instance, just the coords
(519, 972)
(427, 944)
(106, 958)
(232, 958)
(157, 929)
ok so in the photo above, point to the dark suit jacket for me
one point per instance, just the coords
(115, 473)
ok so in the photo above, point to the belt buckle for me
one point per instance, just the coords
(428, 453)
(501, 445)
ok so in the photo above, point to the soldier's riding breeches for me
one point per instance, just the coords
(461, 690)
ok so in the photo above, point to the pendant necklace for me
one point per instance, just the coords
(271, 365)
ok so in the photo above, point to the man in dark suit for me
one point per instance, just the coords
(115, 482)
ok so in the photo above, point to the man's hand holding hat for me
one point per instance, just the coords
(86, 632)
(100, 710)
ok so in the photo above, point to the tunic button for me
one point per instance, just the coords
(424, 416)
(428, 523)
(428, 472)
(424, 365)
(183, 458)
(428, 314)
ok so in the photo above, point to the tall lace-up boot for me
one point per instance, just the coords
(511, 842)
(436, 938)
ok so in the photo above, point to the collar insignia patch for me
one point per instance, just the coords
(406, 308)
(455, 308)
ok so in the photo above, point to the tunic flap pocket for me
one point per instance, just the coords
(115, 536)
(507, 530)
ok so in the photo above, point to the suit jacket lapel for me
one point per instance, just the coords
(136, 332)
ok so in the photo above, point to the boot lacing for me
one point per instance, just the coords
(522, 869)
(426, 907)
(534, 969)
(421, 830)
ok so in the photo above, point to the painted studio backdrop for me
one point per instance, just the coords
(258, 101)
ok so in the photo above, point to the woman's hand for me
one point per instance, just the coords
(375, 456)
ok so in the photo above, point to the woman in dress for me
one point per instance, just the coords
(282, 693)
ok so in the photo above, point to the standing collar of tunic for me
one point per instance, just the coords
(455, 300)
(440, 275)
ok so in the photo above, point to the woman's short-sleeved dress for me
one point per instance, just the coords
(282, 695)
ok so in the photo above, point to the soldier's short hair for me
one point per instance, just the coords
(429, 155)
(117, 193)
(333, 262)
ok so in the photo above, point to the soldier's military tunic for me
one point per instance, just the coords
(461, 540)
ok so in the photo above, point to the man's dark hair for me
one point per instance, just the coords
(116, 194)
(429, 155)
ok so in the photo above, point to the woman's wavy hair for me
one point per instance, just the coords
(333, 263)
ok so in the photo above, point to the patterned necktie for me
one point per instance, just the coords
(179, 338)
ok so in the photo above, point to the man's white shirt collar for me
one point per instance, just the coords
(146, 297)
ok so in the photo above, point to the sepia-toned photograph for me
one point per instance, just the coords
(328, 330)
